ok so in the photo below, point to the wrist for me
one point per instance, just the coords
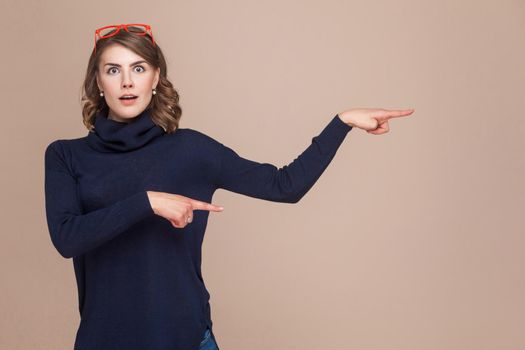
(152, 195)
(344, 118)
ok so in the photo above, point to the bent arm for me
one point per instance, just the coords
(289, 183)
(74, 233)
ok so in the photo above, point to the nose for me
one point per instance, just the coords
(126, 81)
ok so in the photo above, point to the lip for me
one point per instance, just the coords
(128, 95)
(128, 102)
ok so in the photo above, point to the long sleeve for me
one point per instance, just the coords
(74, 233)
(289, 183)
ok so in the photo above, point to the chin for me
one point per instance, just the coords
(129, 112)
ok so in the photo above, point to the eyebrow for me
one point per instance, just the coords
(118, 65)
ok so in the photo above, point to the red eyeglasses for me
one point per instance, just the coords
(111, 30)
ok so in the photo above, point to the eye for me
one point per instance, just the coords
(112, 68)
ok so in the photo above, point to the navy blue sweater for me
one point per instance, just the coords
(138, 277)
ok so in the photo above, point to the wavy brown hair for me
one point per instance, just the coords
(166, 111)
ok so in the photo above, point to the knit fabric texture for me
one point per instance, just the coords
(139, 278)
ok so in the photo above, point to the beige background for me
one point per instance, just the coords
(409, 240)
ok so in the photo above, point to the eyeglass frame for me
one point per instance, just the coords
(124, 26)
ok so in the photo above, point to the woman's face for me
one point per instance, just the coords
(122, 72)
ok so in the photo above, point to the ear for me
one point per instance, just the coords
(98, 83)
(157, 78)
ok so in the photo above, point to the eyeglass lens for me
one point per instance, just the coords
(132, 29)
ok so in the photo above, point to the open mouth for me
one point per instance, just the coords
(128, 97)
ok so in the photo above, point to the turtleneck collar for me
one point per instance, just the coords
(113, 136)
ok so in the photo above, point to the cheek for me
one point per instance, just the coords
(112, 86)
(148, 83)
(146, 97)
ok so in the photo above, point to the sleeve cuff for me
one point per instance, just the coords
(137, 207)
(341, 124)
(335, 131)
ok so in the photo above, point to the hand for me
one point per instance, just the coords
(177, 209)
(373, 120)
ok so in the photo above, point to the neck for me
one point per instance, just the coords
(117, 119)
(111, 135)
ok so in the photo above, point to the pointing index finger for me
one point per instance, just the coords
(199, 205)
(399, 113)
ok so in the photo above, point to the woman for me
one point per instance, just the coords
(130, 201)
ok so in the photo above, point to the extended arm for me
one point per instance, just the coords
(72, 232)
(289, 183)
